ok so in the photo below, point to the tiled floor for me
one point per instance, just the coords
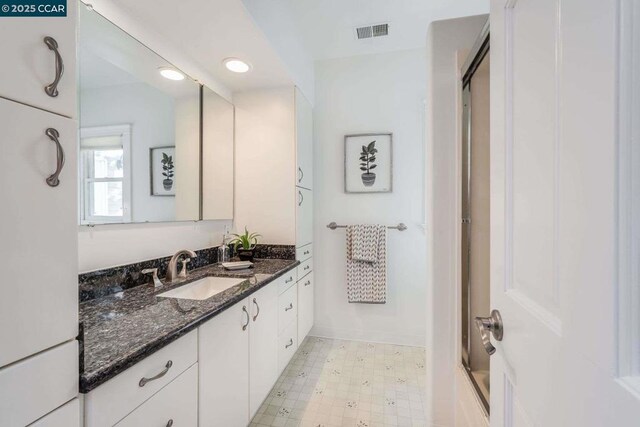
(348, 383)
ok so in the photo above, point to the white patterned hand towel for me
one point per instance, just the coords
(367, 263)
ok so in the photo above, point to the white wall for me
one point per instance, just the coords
(444, 42)
(373, 93)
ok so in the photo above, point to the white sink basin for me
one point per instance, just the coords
(203, 288)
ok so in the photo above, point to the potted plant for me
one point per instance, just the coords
(367, 163)
(167, 171)
(245, 245)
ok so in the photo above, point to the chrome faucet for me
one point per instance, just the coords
(172, 269)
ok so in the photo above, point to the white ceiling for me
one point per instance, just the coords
(327, 26)
(210, 31)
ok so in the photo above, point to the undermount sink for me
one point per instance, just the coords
(203, 288)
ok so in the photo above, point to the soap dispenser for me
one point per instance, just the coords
(224, 252)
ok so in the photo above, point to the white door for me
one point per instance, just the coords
(564, 360)
(263, 345)
(304, 141)
(223, 371)
(30, 63)
(304, 216)
(38, 232)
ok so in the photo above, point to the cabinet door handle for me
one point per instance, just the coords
(290, 307)
(290, 343)
(169, 423)
(54, 136)
(308, 283)
(244, 308)
(52, 88)
(301, 198)
(301, 174)
(257, 312)
(145, 380)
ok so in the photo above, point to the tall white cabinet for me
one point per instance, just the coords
(274, 135)
(38, 239)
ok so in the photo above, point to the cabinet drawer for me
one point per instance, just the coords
(65, 416)
(305, 268)
(33, 387)
(288, 342)
(29, 65)
(287, 280)
(304, 252)
(114, 399)
(174, 405)
(287, 308)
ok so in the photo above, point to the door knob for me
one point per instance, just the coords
(487, 326)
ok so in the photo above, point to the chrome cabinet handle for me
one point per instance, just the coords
(306, 252)
(490, 325)
(169, 423)
(289, 308)
(308, 283)
(144, 380)
(52, 89)
(301, 174)
(290, 343)
(289, 280)
(258, 307)
(301, 198)
(54, 135)
(244, 308)
(306, 267)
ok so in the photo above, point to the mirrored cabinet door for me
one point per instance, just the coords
(139, 130)
(217, 156)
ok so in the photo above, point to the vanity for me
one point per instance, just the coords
(176, 354)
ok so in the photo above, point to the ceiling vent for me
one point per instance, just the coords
(369, 31)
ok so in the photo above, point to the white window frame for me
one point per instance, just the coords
(124, 132)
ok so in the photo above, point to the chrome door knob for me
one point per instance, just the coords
(490, 325)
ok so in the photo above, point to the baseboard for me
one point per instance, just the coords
(368, 336)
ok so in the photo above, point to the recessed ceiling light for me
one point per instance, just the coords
(236, 65)
(171, 73)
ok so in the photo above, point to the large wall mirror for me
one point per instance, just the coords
(140, 134)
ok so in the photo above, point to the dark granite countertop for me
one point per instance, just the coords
(119, 330)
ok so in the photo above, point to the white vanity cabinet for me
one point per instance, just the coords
(263, 345)
(39, 306)
(305, 306)
(238, 358)
(29, 62)
(304, 141)
(223, 357)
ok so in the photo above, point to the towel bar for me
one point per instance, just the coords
(400, 226)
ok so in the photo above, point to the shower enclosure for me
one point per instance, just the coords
(475, 213)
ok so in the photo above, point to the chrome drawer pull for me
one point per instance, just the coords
(244, 308)
(308, 283)
(307, 267)
(306, 252)
(289, 308)
(169, 423)
(54, 135)
(257, 312)
(290, 279)
(52, 89)
(290, 343)
(144, 380)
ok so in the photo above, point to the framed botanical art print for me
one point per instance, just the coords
(162, 171)
(368, 163)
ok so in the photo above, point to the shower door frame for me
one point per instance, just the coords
(474, 59)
